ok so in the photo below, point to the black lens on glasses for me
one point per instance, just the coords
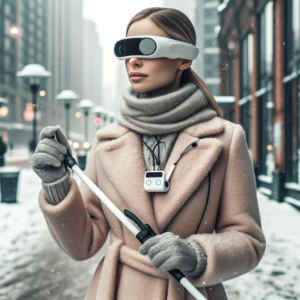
(135, 46)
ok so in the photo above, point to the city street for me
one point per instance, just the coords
(34, 267)
(155, 74)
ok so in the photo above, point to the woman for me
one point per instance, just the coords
(207, 224)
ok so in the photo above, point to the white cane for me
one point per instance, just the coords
(142, 235)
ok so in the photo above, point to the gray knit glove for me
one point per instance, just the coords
(168, 251)
(47, 162)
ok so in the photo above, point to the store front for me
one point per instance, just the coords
(292, 102)
(265, 101)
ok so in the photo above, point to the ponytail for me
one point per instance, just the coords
(189, 75)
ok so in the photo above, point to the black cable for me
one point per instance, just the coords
(153, 154)
(159, 152)
(157, 144)
(206, 201)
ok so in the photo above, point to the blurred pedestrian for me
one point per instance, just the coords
(11, 147)
(3, 149)
(31, 145)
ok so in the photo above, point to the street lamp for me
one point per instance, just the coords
(3, 101)
(99, 111)
(86, 105)
(67, 96)
(111, 116)
(34, 72)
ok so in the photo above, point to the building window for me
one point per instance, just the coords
(8, 63)
(247, 65)
(208, 72)
(265, 85)
(31, 15)
(292, 91)
(7, 24)
(265, 136)
(7, 10)
(292, 40)
(31, 27)
(214, 88)
(9, 79)
(7, 44)
(228, 69)
(266, 44)
(209, 28)
(246, 79)
(210, 13)
(292, 109)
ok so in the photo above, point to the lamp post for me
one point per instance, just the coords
(67, 97)
(34, 72)
(105, 117)
(99, 111)
(86, 105)
(111, 116)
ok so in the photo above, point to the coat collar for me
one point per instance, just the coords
(123, 162)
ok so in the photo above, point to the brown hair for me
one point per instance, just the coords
(178, 26)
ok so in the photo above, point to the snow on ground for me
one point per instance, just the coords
(33, 267)
(17, 154)
(278, 274)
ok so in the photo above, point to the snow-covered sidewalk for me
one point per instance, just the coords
(278, 274)
(33, 267)
(16, 155)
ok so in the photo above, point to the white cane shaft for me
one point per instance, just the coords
(106, 201)
(194, 292)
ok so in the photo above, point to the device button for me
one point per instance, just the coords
(166, 184)
(158, 182)
(148, 182)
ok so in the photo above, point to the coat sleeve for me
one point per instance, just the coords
(78, 223)
(238, 243)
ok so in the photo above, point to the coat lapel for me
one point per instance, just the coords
(122, 160)
(190, 170)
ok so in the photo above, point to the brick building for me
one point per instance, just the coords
(260, 67)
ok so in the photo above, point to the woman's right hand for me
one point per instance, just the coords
(47, 160)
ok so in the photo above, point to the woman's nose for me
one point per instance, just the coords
(135, 61)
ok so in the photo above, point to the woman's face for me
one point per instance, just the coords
(161, 75)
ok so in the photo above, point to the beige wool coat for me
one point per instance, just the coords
(230, 231)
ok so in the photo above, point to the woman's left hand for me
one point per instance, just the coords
(168, 251)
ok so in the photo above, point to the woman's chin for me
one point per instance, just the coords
(143, 88)
(140, 88)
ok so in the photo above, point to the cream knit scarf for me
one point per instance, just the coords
(164, 114)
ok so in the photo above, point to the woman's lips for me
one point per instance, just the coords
(137, 78)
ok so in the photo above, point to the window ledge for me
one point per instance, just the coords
(265, 178)
(265, 191)
(292, 201)
(292, 186)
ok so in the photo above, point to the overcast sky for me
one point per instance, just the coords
(111, 18)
